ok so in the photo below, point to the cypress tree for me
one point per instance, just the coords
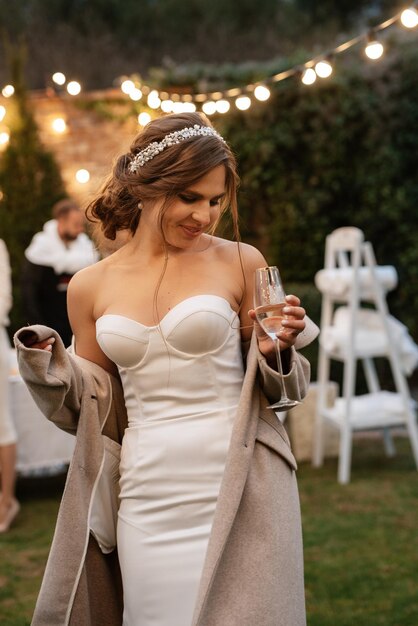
(30, 180)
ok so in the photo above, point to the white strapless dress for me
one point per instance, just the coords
(182, 381)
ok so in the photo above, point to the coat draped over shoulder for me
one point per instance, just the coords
(253, 571)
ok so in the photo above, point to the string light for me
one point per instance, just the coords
(59, 78)
(209, 107)
(127, 86)
(144, 118)
(309, 76)
(167, 106)
(8, 91)
(82, 176)
(222, 106)
(135, 94)
(374, 49)
(243, 103)
(189, 107)
(59, 125)
(220, 102)
(73, 88)
(4, 138)
(409, 18)
(262, 93)
(153, 99)
(323, 69)
(2, 112)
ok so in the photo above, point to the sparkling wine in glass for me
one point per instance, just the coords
(269, 302)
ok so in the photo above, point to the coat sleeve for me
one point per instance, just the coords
(54, 379)
(296, 380)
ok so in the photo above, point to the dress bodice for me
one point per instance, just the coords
(191, 362)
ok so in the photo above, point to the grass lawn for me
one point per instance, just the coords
(361, 539)
(361, 542)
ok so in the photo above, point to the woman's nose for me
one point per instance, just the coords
(202, 214)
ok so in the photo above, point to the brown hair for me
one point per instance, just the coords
(176, 168)
(63, 207)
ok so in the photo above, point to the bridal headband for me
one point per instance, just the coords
(154, 148)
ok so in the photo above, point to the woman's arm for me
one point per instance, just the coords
(54, 379)
(81, 299)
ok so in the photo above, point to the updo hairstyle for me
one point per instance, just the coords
(170, 172)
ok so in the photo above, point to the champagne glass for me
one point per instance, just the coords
(269, 302)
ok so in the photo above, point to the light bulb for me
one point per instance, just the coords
(178, 107)
(222, 106)
(189, 107)
(82, 176)
(2, 112)
(135, 94)
(73, 88)
(59, 125)
(127, 86)
(243, 103)
(409, 18)
(144, 118)
(153, 99)
(262, 93)
(8, 91)
(167, 106)
(59, 78)
(374, 50)
(209, 107)
(323, 69)
(4, 138)
(309, 76)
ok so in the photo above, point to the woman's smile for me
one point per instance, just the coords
(191, 231)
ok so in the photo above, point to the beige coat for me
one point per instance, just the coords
(253, 572)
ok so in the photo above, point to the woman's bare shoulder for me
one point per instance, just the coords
(250, 256)
(92, 273)
(87, 280)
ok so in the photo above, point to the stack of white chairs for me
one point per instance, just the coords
(350, 333)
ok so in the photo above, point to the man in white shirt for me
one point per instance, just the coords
(52, 258)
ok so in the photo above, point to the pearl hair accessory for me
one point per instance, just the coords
(148, 153)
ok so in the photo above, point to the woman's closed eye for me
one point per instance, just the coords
(188, 199)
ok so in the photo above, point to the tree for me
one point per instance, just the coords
(30, 181)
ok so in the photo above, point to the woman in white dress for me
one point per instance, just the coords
(168, 313)
(9, 506)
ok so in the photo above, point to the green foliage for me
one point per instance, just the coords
(30, 182)
(360, 541)
(341, 153)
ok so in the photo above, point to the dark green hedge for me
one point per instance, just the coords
(341, 152)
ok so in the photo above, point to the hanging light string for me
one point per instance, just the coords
(212, 102)
(319, 66)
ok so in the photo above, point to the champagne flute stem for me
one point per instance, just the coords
(280, 370)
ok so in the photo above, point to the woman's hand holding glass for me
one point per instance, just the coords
(279, 320)
(292, 325)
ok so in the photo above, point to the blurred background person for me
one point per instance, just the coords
(9, 506)
(52, 258)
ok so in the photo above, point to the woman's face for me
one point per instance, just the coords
(193, 211)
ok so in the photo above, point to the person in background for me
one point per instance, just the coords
(52, 258)
(9, 506)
